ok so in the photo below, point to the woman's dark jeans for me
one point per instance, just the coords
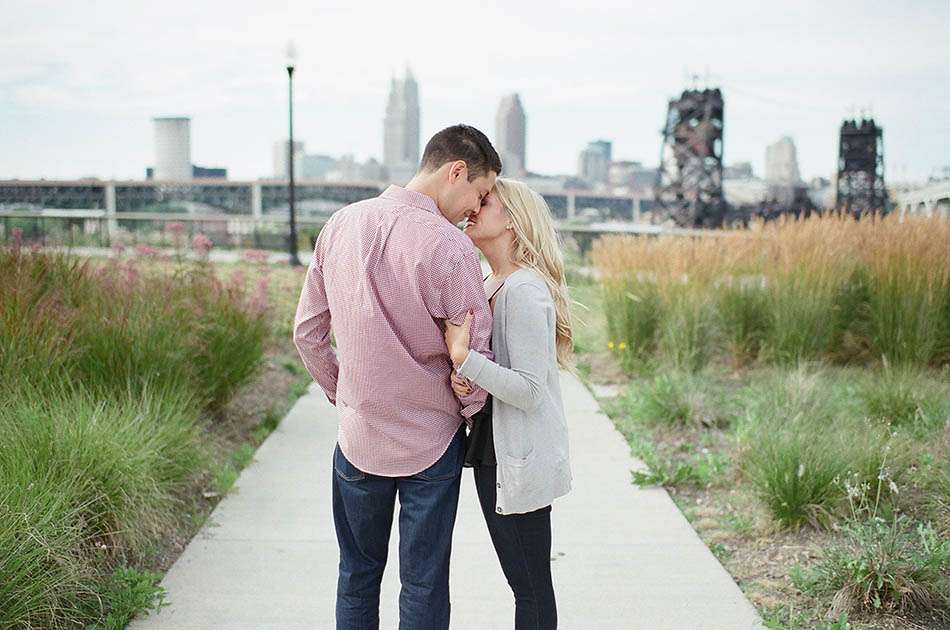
(523, 545)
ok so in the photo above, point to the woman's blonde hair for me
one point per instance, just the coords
(538, 247)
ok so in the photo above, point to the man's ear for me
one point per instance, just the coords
(456, 170)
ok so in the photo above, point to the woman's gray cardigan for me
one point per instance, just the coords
(528, 423)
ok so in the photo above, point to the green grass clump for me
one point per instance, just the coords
(741, 305)
(128, 592)
(883, 565)
(669, 401)
(799, 313)
(705, 469)
(230, 346)
(686, 328)
(266, 426)
(45, 577)
(125, 457)
(906, 398)
(791, 470)
(633, 319)
(587, 315)
(805, 439)
(87, 483)
(671, 398)
(793, 474)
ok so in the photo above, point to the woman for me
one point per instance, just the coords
(518, 446)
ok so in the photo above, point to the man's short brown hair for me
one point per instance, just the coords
(461, 142)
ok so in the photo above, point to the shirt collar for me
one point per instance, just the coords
(411, 198)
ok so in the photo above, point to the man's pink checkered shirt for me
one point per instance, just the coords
(386, 272)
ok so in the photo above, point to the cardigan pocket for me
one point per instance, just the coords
(516, 434)
(511, 460)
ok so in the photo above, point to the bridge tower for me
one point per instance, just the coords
(861, 168)
(688, 187)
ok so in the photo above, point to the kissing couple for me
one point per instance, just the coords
(436, 367)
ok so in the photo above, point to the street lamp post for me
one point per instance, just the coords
(294, 260)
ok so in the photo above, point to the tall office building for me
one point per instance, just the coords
(401, 129)
(510, 124)
(282, 159)
(172, 148)
(593, 165)
(781, 163)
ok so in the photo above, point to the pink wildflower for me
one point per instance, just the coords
(259, 299)
(238, 279)
(256, 256)
(131, 271)
(146, 251)
(177, 229)
(202, 245)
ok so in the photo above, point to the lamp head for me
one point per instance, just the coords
(291, 56)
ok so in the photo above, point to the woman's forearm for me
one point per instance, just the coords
(519, 388)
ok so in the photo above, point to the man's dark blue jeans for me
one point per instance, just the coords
(363, 506)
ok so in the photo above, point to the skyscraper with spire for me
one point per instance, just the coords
(401, 129)
(510, 124)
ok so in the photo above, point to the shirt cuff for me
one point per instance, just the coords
(472, 366)
(470, 410)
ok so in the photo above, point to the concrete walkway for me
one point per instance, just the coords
(625, 558)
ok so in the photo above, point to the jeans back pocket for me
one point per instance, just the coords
(449, 466)
(344, 469)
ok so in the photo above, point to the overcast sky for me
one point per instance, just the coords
(80, 81)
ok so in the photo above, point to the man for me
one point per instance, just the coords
(387, 272)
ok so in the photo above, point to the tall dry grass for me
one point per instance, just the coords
(832, 288)
(908, 268)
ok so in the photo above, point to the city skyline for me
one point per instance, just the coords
(71, 107)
